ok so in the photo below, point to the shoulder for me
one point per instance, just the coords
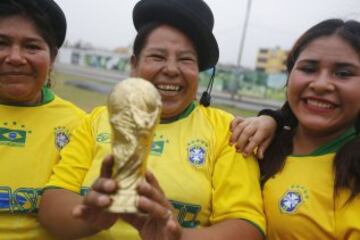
(216, 115)
(63, 105)
(98, 112)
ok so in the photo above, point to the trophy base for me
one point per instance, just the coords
(124, 202)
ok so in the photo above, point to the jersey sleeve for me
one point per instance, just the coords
(75, 158)
(236, 192)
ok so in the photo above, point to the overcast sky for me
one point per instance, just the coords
(108, 23)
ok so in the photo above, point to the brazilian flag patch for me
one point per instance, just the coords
(157, 148)
(12, 137)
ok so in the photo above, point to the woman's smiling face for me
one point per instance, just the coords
(25, 61)
(169, 60)
(324, 85)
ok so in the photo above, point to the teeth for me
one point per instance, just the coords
(167, 87)
(319, 104)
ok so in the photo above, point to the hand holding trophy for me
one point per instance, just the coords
(134, 107)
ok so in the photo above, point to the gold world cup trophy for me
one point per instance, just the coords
(134, 107)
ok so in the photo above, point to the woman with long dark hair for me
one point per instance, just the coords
(310, 174)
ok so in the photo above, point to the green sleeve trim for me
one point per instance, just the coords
(255, 225)
(60, 188)
(52, 187)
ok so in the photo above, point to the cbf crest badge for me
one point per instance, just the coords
(62, 137)
(293, 198)
(197, 152)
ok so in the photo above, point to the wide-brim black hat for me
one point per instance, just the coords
(192, 17)
(57, 18)
(47, 8)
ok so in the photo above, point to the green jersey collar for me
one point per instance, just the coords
(47, 95)
(182, 115)
(334, 145)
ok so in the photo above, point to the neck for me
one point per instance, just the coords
(33, 102)
(306, 141)
(182, 115)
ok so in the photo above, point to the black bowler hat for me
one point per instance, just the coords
(193, 17)
(57, 18)
(48, 8)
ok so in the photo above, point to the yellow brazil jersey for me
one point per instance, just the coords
(30, 140)
(302, 196)
(204, 178)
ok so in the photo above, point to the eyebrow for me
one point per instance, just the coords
(337, 64)
(162, 50)
(30, 39)
(346, 64)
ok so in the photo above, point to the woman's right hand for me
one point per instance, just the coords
(97, 200)
(155, 220)
(251, 133)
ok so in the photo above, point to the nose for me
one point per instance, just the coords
(322, 83)
(15, 56)
(171, 67)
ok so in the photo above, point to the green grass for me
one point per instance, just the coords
(87, 99)
(237, 111)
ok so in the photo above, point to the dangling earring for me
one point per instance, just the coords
(48, 83)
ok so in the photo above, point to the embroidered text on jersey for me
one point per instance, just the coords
(187, 213)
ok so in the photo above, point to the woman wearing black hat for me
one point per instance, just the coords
(210, 185)
(34, 123)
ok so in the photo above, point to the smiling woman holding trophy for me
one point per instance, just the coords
(197, 186)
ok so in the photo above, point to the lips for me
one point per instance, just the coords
(15, 74)
(168, 87)
(320, 104)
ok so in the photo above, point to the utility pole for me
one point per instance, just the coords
(243, 35)
(241, 49)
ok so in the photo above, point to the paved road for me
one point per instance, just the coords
(110, 78)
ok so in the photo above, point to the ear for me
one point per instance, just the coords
(133, 61)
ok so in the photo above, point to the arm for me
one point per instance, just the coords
(58, 210)
(160, 225)
(58, 218)
(68, 215)
(228, 229)
(255, 132)
(235, 195)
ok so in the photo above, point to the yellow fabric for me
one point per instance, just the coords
(301, 195)
(30, 140)
(206, 180)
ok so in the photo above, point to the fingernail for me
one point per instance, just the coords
(104, 200)
(76, 212)
(110, 185)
